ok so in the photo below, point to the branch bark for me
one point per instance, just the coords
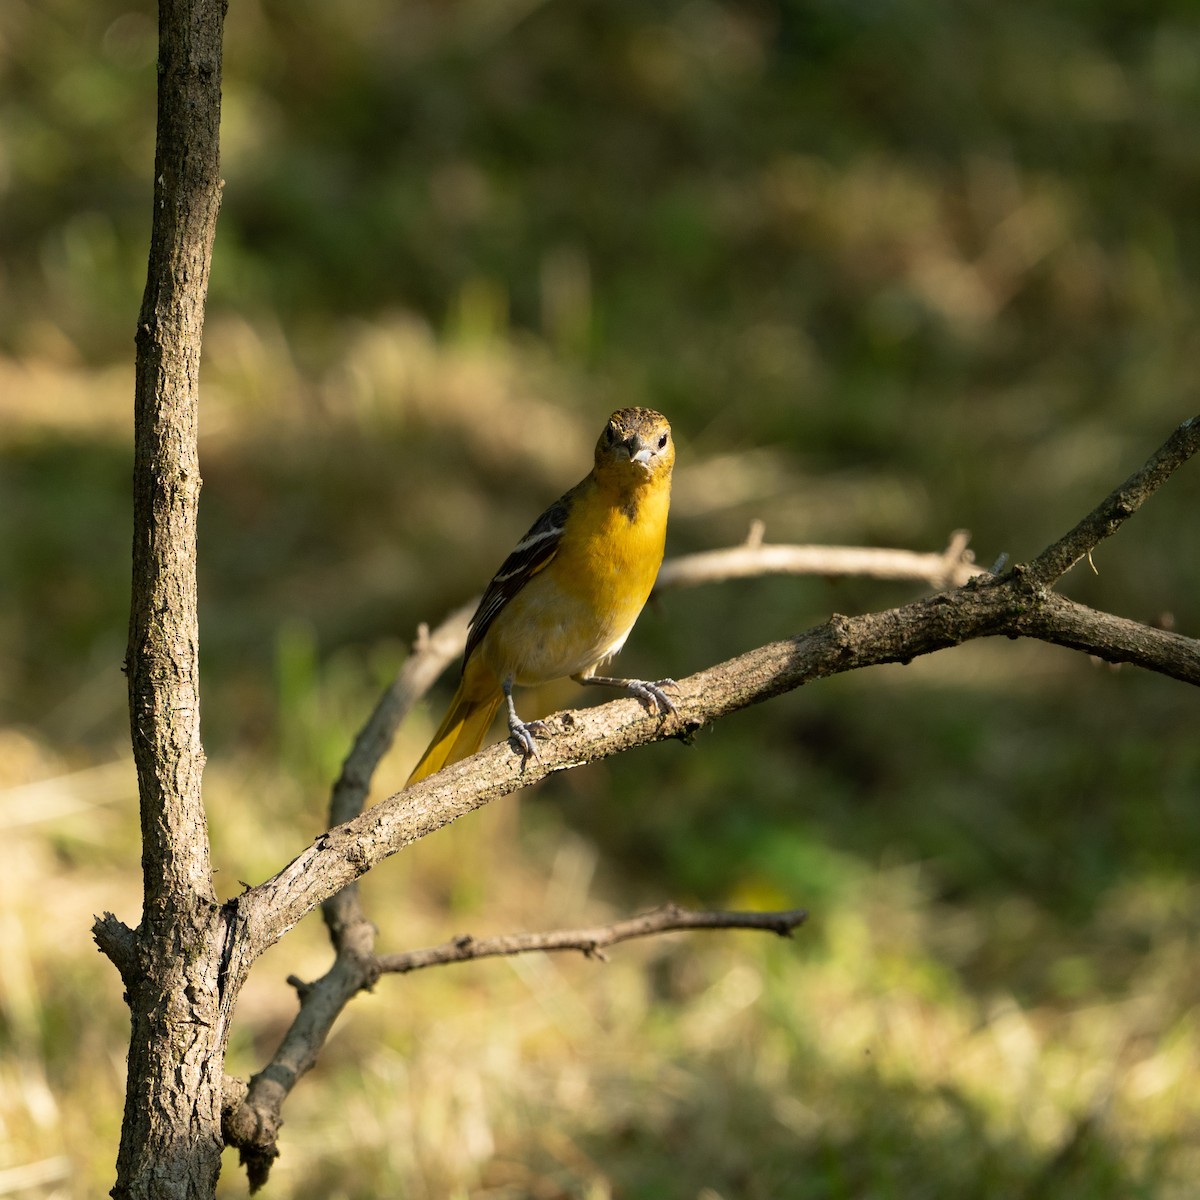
(1117, 507)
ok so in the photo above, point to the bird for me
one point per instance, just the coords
(564, 601)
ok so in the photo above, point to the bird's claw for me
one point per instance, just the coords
(523, 733)
(654, 694)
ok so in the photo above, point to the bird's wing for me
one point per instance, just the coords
(533, 553)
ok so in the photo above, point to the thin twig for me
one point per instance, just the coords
(431, 655)
(252, 1113)
(117, 941)
(1118, 506)
(348, 926)
(592, 941)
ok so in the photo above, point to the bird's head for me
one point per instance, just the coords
(636, 444)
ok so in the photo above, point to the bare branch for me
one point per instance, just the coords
(842, 644)
(252, 1114)
(432, 654)
(1013, 605)
(591, 942)
(434, 651)
(116, 940)
(348, 925)
(1115, 639)
(252, 1119)
(1118, 506)
(952, 568)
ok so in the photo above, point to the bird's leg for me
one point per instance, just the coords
(650, 693)
(521, 732)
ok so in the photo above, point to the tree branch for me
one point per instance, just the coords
(953, 567)
(252, 1116)
(990, 608)
(116, 940)
(433, 653)
(1118, 506)
(1114, 639)
(592, 941)
(252, 1112)
(430, 656)
(1018, 604)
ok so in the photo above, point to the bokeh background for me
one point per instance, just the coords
(891, 267)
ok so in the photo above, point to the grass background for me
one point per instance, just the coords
(891, 269)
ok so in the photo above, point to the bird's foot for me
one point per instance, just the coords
(653, 693)
(524, 733)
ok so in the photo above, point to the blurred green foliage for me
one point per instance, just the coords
(891, 267)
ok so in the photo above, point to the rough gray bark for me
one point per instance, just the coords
(171, 1139)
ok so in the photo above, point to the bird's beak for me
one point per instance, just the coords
(639, 452)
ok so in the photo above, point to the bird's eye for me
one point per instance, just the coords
(610, 435)
(662, 441)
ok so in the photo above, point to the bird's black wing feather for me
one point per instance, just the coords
(533, 553)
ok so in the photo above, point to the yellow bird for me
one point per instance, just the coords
(567, 596)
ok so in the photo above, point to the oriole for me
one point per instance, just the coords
(565, 599)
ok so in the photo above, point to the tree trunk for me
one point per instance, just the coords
(171, 1134)
(172, 965)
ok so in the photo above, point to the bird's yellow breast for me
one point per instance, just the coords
(579, 610)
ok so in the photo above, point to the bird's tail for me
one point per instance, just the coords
(462, 729)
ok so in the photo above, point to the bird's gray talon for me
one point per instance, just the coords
(653, 692)
(524, 733)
